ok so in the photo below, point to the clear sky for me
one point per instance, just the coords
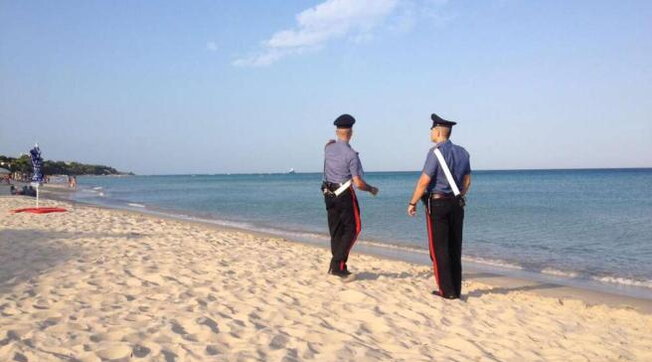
(253, 86)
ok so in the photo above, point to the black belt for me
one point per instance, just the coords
(439, 195)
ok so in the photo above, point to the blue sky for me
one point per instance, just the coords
(253, 86)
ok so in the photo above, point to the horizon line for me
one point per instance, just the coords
(381, 171)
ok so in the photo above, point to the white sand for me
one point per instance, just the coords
(96, 284)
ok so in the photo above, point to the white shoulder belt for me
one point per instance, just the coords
(342, 188)
(447, 172)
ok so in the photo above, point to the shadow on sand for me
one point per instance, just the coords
(26, 254)
(469, 276)
(503, 290)
(376, 276)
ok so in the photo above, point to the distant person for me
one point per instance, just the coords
(343, 170)
(27, 191)
(74, 182)
(445, 179)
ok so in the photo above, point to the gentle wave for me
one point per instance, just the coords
(494, 262)
(624, 281)
(560, 273)
(94, 191)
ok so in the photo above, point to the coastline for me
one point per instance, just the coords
(124, 283)
(505, 280)
(502, 274)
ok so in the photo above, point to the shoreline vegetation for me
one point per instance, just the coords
(23, 165)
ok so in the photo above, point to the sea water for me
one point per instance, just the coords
(593, 225)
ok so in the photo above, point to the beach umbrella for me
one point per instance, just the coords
(37, 165)
(37, 179)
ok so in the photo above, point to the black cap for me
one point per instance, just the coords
(438, 121)
(344, 121)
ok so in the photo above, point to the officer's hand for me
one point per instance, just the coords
(412, 210)
(374, 190)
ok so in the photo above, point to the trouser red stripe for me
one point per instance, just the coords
(431, 245)
(358, 224)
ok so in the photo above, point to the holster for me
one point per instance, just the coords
(325, 190)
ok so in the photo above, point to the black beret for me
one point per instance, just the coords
(344, 121)
(438, 121)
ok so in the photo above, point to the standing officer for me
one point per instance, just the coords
(342, 170)
(445, 179)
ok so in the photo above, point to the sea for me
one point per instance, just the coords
(588, 227)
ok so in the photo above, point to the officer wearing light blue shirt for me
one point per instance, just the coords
(342, 162)
(343, 171)
(457, 159)
(444, 207)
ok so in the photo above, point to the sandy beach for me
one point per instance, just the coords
(96, 284)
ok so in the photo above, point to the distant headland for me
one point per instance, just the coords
(23, 164)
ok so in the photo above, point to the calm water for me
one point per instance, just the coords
(582, 224)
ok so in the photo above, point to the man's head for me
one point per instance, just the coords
(344, 124)
(344, 134)
(440, 133)
(441, 129)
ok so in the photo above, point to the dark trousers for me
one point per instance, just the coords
(445, 219)
(344, 226)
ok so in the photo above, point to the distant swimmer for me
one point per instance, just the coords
(342, 171)
(444, 182)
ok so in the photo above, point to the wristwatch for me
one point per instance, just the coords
(411, 204)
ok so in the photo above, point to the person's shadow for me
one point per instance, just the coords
(472, 276)
(376, 276)
(504, 290)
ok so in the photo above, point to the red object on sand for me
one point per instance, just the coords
(39, 210)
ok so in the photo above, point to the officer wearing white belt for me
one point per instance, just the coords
(342, 171)
(445, 179)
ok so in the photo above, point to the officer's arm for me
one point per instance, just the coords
(362, 185)
(420, 189)
(355, 167)
(466, 184)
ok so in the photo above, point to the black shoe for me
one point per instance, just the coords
(344, 275)
(438, 293)
(340, 273)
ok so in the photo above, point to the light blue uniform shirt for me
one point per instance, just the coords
(341, 162)
(458, 161)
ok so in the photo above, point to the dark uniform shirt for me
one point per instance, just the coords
(341, 162)
(458, 161)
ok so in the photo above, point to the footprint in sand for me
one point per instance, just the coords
(205, 321)
(212, 350)
(42, 304)
(141, 351)
(278, 341)
(115, 352)
(9, 311)
(108, 336)
(191, 330)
